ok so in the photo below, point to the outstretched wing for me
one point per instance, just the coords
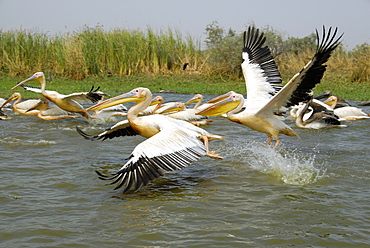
(86, 97)
(260, 71)
(122, 128)
(168, 150)
(299, 88)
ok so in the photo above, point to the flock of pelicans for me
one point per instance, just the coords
(174, 138)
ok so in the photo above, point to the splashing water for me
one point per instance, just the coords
(292, 167)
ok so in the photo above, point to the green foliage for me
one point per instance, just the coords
(94, 52)
(158, 56)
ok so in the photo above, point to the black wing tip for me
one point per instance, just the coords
(87, 136)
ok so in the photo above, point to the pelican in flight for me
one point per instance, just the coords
(264, 95)
(171, 144)
(69, 103)
(346, 112)
(24, 106)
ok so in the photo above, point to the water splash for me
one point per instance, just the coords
(290, 166)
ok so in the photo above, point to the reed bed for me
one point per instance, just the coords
(158, 56)
(94, 52)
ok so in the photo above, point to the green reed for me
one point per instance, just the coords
(93, 51)
(154, 59)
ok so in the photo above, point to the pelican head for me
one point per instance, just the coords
(228, 102)
(14, 96)
(135, 95)
(195, 98)
(156, 100)
(175, 107)
(38, 76)
(331, 100)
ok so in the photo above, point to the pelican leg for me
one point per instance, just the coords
(269, 141)
(211, 154)
(85, 114)
(277, 143)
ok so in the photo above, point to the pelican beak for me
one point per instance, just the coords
(193, 99)
(174, 108)
(156, 100)
(32, 78)
(220, 107)
(124, 98)
(329, 101)
(221, 97)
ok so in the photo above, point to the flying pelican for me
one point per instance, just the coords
(316, 119)
(346, 112)
(264, 96)
(170, 145)
(69, 103)
(51, 112)
(24, 106)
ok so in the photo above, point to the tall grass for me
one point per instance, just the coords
(93, 51)
(89, 53)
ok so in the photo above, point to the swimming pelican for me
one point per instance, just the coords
(69, 103)
(315, 106)
(178, 111)
(24, 106)
(118, 110)
(48, 112)
(170, 145)
(264, 96)
(317, 119)
(347, 112)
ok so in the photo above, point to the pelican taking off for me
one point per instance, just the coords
(170, 145)
(69, 103)
(264, 96)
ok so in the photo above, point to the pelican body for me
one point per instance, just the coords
(171, 144)
(316, 119)
(27, 107)
(264, 94)
(69, 103)
(345, 112)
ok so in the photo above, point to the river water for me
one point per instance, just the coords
(310, 192)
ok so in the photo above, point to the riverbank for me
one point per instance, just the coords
(177, 83)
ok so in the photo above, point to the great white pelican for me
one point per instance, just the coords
(264, 95)
(53, 112)
(171, 144)
(24, 106)
(346, 113)
(316, 119)
(70, 103)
